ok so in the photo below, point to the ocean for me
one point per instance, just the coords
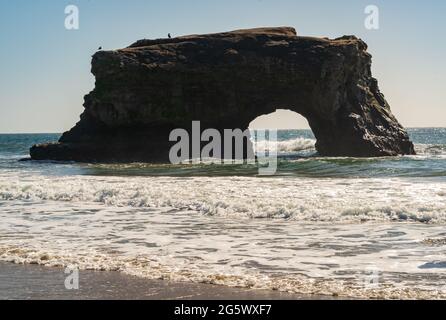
(352, 227)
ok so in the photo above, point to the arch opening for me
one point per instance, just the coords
(294, 136)
(281, 119)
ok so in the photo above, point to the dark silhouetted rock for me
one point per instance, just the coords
(226, 80)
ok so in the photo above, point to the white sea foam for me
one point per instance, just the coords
(213, 230)
(343, 200)
(430, 150)
(286, 146)
(294, 257)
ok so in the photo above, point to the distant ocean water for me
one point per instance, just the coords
(371, 227)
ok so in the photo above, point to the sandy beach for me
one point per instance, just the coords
(34, 282)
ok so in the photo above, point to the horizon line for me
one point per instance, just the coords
(43, 132)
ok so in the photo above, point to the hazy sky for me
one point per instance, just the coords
(45, 69)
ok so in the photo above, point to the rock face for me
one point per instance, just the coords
(226, 80)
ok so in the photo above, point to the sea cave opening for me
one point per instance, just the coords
(293, 134)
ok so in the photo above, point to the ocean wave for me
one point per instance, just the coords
(348, 200)
(286, 146)
(430, 149)
(303, 144)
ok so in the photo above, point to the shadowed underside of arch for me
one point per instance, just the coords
(225, 81)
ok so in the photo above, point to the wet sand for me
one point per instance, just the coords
(35, 282)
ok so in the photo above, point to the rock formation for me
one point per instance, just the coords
(226, 80)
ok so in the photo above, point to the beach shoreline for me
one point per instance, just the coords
(35, 282)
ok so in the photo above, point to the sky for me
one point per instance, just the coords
(45, 68)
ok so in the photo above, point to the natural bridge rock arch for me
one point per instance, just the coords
(226, 80)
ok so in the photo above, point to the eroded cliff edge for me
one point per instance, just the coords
(226, 80)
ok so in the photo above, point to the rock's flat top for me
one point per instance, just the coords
(237, 34)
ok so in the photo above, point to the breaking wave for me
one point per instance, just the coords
(286, 146)
(431, 149)
(350, 200)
